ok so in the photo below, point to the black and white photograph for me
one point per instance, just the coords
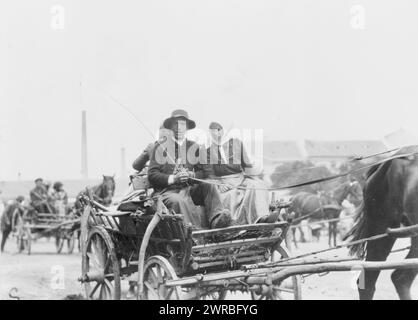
(228, 151)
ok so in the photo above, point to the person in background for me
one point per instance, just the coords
(39, 197)
(2, 205)
(6, 223)
(140, 162)
(59, 198)
(227, 164)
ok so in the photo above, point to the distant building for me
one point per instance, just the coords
(278, 152)
(336, 152)
(329, 153)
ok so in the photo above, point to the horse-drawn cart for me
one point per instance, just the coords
(143, 237)
(32, 225)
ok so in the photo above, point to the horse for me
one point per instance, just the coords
(102, 193)
(9, 219)
(322, 206)
(389, 201)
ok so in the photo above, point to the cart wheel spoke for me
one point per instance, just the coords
(159, 275)
(107, 264)
(108, 287)
(151, 288)
(169, 293)
(94, 290)
(153, 276)
(101, 292)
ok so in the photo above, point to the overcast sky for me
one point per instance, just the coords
(295, 68)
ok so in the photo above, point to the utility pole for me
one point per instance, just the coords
(84, 162)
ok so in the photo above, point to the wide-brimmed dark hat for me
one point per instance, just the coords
(39, 179)
(179, 115)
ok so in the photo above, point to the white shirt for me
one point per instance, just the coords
(221, 148)
(180, 143)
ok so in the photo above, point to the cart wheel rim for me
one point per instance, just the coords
(288, 289)
(218, 295)
(157, 271)
(99, 257)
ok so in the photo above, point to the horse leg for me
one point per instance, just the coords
(4, 237)
(377, 250)
(294, 237)
(288, 241)
(302, 235)
(403, 278)
(329, 233)
(334, 232)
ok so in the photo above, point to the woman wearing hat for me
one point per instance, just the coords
(59, 198)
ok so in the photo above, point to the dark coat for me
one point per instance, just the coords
(237, 158)
(6, 218)
(38, 195)
(164, 159)
(144, 157)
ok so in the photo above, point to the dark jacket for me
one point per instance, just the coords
(38, 195)
(144, 157)
(6, 218)
(166, 155)
(236, 158)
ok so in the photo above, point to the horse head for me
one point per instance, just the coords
(108, 189)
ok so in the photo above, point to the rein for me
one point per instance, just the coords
(306, 183)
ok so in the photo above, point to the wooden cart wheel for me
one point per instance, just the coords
(219, 295)
(289, 289)
(71, 243)
(157, 270)
(59, 243)
(100, 267)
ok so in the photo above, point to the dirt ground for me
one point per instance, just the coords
(47, 275)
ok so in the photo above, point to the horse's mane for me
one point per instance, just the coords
(372, 170)
(363, 223)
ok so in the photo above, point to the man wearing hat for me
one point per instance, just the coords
(39, 197)
(6, 219)
(173, 165)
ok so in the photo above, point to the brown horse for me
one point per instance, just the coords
(324, 205)
(390, 200)
(102, 193)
